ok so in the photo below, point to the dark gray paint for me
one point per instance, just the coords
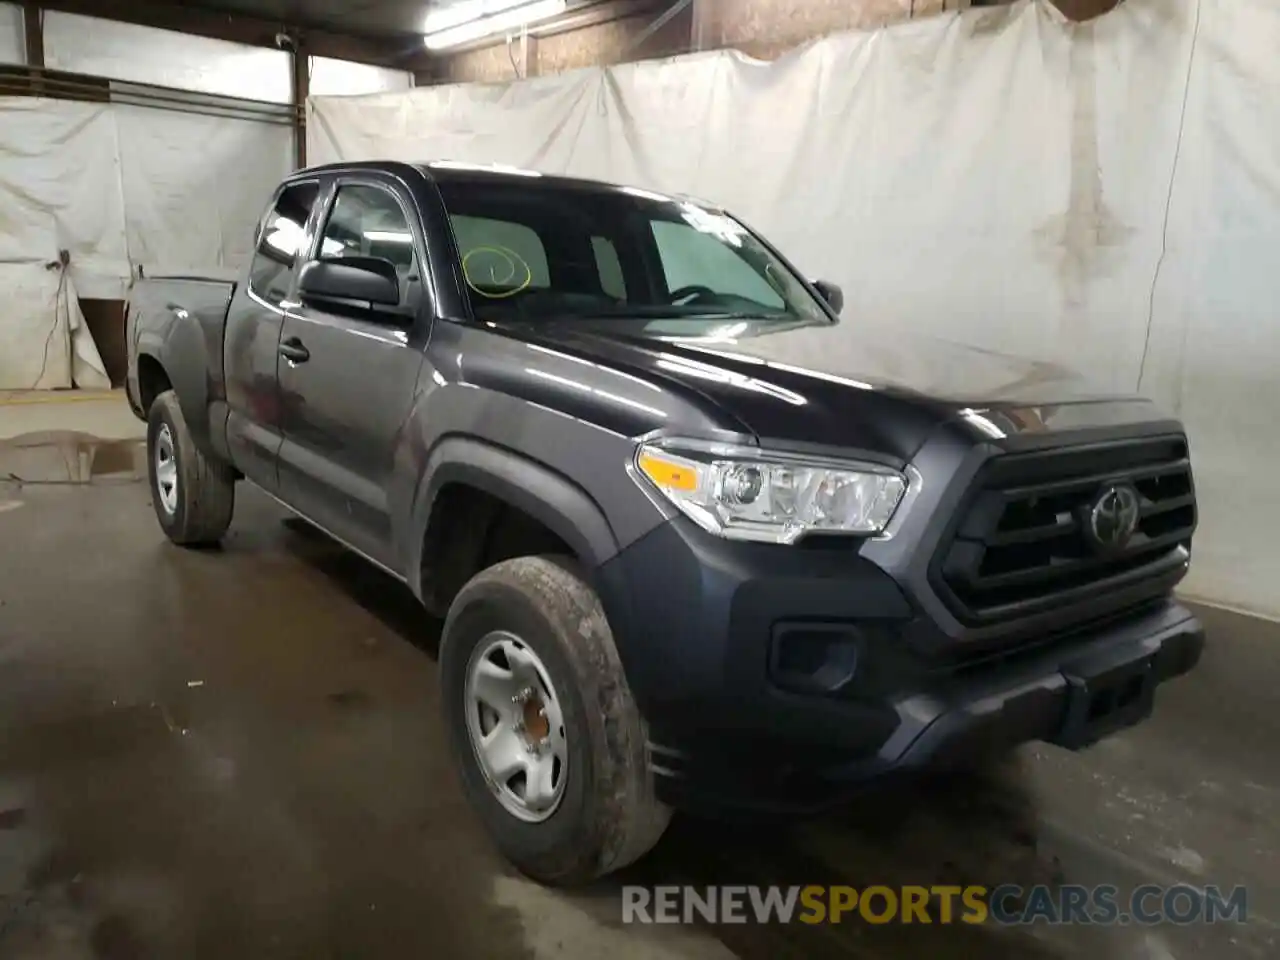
(363, 436)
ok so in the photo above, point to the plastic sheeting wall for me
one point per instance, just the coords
(191, 186)
(121, 187)
(12, 37)
(59, 190)
(344, 78)
(117, 187)
(194, 186)
(124, 51)
(1105, 194)
(104, 48)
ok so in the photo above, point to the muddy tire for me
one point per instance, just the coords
(538, 619)
(193, 497)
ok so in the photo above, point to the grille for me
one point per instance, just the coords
(1021, 544)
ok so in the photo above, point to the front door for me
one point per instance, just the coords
(254, 322)
(350, 373)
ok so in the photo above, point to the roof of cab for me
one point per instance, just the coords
(454, 171)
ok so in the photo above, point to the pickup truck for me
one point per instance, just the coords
(698, 544)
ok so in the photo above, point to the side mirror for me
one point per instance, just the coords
(830, 293)
(363, 279)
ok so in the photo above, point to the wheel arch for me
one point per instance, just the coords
(516, 480)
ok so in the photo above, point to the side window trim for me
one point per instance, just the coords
(324, 207)
(319, 216)
(417, 287)
(355, 180)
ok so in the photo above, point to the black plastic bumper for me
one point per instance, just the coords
(699, 622)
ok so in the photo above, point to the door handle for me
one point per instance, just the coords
(293, 351)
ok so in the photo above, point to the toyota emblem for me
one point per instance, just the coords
(1113, 518)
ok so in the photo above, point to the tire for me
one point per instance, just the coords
(199, 511)
(607, 816)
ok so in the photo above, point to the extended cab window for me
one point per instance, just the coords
(367, 221)
(283, 234)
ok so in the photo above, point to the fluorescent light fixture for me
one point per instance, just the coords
(455, 14)
(485, 18)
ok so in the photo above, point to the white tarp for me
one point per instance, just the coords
(104, 48)
(342, 78)
(44, 341)
(34, 337)
(54, 196)
(121, 187)
(194, 186)
(59, 187)
(117, 187)
(126, 51)
(1105, 194)
(12, 42)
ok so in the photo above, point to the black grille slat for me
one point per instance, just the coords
(1021, 539)
(1152, 508)
(1060, 567)
(1032, 534)
(1078, 462)
(1095, 481)
(1160, 568)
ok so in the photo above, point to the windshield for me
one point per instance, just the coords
(542, 250)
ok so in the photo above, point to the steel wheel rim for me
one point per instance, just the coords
(516, 727)
(166, 471)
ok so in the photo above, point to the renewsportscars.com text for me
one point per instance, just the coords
(1006, 905)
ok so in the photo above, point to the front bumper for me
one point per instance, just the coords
(700, 623)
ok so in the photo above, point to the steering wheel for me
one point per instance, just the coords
(694, 291)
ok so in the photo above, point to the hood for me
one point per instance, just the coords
(837, 386)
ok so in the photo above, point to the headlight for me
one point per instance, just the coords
(747, 494)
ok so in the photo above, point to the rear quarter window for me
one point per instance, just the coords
(281, 240)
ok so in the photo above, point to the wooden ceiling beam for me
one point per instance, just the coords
(401, 53)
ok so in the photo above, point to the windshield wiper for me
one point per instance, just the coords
(731, 316)
(658, 312)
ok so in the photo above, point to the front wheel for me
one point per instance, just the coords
(550, 745)
(193, 496)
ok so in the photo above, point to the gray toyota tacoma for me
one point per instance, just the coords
(697, 543)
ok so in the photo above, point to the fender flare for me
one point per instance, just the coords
(549, 497)
(182, 354)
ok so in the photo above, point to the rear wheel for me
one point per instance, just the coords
(193, 497)
(549, 743)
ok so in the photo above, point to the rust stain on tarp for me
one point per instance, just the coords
(991, 21)
(1079, 240)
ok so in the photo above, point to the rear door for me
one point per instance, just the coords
(351, 371)
(255, 319)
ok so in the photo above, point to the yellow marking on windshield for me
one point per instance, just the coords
(513, 263)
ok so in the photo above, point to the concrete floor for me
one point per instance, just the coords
(101, 414)
(238, 754)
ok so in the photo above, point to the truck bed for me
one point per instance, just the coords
(164, 311)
